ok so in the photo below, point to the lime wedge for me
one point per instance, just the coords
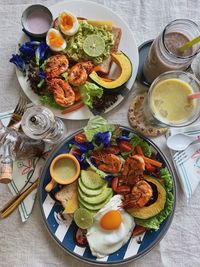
(83, 218)
(94, 45)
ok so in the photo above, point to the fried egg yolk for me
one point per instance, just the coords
(111, 220)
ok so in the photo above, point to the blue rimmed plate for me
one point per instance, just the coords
(63, 232)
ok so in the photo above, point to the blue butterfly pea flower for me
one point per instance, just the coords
(83, 163)
(19, 62)
(42, 75)
(103, 138)
(84, 147)
(109, 178)
(123, 138)
(41, 52)
(28, 49)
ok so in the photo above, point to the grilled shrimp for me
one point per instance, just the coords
(107, 162)
(79, 73)
(62, 91)
(55, 66)
(133, 169)
(140, 195)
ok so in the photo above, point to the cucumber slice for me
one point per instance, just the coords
(90, 192)
(101, 173)
(93, 207)
(95, 200)
(91, 179)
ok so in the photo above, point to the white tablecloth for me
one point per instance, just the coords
(29, 244)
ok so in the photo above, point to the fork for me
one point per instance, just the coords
(180, 157)
(17, 114)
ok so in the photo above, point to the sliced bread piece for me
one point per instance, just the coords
(105, 66)
(66, 193)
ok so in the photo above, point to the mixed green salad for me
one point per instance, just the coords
(100, 148)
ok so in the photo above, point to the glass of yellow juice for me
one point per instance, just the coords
(167, 103)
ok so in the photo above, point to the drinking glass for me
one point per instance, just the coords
(179, 111)
(40, 123)
(164, 54)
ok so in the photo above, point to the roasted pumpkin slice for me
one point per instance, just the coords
(126, 69)
(156, 207)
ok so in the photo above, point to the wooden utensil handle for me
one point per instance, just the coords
(14, 203)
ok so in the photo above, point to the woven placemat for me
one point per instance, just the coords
(137, 119)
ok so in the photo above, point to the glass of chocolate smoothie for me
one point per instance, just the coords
(164, 54)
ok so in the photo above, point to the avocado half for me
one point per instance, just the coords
(156, 207)
(126, 70)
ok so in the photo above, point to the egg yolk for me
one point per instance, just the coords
(111, 220)
(55, 40)
(67, 22)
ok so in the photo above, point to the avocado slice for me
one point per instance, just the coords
(156, 207)
(90, 192)
(93, 207)
(91, 179)
(126, 70)
(95, 199)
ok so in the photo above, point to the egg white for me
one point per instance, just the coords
(74, 28)
(53, 48)
(104, 242)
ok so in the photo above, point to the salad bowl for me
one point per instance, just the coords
(63, 231)
(93, 11)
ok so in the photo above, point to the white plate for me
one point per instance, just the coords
(128, 45)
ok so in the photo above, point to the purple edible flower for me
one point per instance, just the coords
(123, 138)
(28, 49)
(19, 62)
(102, 138)
(41, 52)
(109, 178)
(83, 163)
(42, 75)
(84, 147)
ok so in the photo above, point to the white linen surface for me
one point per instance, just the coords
(29, 244)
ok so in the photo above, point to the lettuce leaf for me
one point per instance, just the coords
(88, 91)
(154, 222)
(95, 125)
(48, 99)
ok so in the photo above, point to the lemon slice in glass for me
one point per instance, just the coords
(94, 45)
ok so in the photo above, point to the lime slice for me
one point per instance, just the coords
(94, 45)
(83, 218)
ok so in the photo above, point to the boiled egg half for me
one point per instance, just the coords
(68, 23)
(55, 40)
(111, 229)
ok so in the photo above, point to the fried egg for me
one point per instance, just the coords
(111, 229)
(55, 40)
(68, 23)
